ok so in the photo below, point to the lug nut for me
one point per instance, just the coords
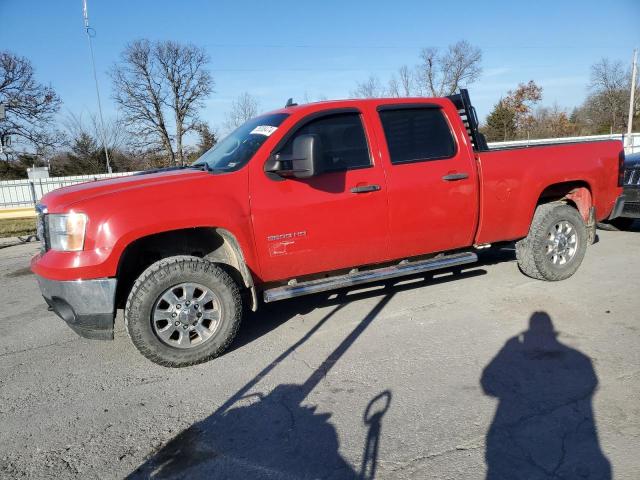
(173, 315)
(185, 326)
(178, 306)
(187, 303)
(198, 314)
(177, 323)
(196, 306)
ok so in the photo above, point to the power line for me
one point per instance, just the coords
(407, 46)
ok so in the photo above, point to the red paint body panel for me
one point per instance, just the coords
(512, 180)
(295, 227)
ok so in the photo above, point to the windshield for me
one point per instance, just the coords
(237, 148)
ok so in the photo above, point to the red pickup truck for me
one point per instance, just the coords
(306, 199)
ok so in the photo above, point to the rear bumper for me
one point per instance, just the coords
(618, 207)
(87, 306)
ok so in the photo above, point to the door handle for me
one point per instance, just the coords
(365, 188)
(452, 177)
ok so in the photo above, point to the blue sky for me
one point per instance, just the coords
(282, 49)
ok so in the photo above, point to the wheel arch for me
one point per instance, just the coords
(577, 193)
(215, 244)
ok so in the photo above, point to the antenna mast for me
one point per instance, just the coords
(90, 34)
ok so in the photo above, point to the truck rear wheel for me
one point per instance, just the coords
(556, 243)
(182, 311)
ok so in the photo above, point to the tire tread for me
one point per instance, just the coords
(154, 274)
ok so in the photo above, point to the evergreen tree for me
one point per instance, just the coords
(501, 123)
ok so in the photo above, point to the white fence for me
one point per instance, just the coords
(26, 193)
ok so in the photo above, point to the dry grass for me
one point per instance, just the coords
(14, 227)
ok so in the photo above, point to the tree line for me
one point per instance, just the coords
(160, 89)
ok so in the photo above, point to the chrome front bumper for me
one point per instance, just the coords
(87, 306)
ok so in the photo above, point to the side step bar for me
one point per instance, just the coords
(358, 278)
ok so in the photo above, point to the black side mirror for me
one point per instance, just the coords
(304, 162)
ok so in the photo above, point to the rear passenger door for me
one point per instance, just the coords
(431, 180)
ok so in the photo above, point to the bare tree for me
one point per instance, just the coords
(442, 73)
(610, 91)
(30, 106)
(404, 84)
(370, 88)
(243, 108)
(159, 88)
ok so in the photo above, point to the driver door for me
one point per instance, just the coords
(336, 219)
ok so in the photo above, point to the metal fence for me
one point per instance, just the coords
(27, 193)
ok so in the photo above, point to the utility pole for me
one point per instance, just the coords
(634, 70)
(91, 33)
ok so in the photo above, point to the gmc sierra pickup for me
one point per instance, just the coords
(306, 199)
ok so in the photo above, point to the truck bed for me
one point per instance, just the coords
(512, 179)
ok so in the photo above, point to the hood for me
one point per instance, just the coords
(64, 198)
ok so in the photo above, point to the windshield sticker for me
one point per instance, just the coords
(265, 130)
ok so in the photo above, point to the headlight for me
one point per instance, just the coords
(66, 231)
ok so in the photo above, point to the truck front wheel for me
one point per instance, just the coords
(556, 243)
(182, 311)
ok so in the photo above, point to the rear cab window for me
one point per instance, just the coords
(416, 134)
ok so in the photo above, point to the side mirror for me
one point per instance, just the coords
(304, 162)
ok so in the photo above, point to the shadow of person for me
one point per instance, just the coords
(544, 425)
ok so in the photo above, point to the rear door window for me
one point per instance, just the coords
(417, 134)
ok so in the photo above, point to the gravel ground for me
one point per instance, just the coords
(479, 374)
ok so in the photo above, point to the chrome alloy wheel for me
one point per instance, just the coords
(562, 243)
(186, 315)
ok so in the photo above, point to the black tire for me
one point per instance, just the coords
(155, 281)
(617, 224)
(531, 251)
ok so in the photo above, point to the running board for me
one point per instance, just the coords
(358, 278)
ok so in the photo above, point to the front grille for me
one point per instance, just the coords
(632, 177)
(42, 227)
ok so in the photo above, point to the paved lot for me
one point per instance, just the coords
(432, 379)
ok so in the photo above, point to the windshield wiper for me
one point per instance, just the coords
(200, 166)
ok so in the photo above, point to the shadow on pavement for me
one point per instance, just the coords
(274, 435)
(271, 315)
(544, 426)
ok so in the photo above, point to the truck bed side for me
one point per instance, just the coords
(512, 181)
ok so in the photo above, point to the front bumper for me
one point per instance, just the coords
(88, 306)
(618, 207)
(631, 203)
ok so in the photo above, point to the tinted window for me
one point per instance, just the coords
(415, 134)
(344, 144)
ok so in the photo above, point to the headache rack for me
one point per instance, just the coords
(468, 115)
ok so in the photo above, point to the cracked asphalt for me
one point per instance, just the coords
(482, 373)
